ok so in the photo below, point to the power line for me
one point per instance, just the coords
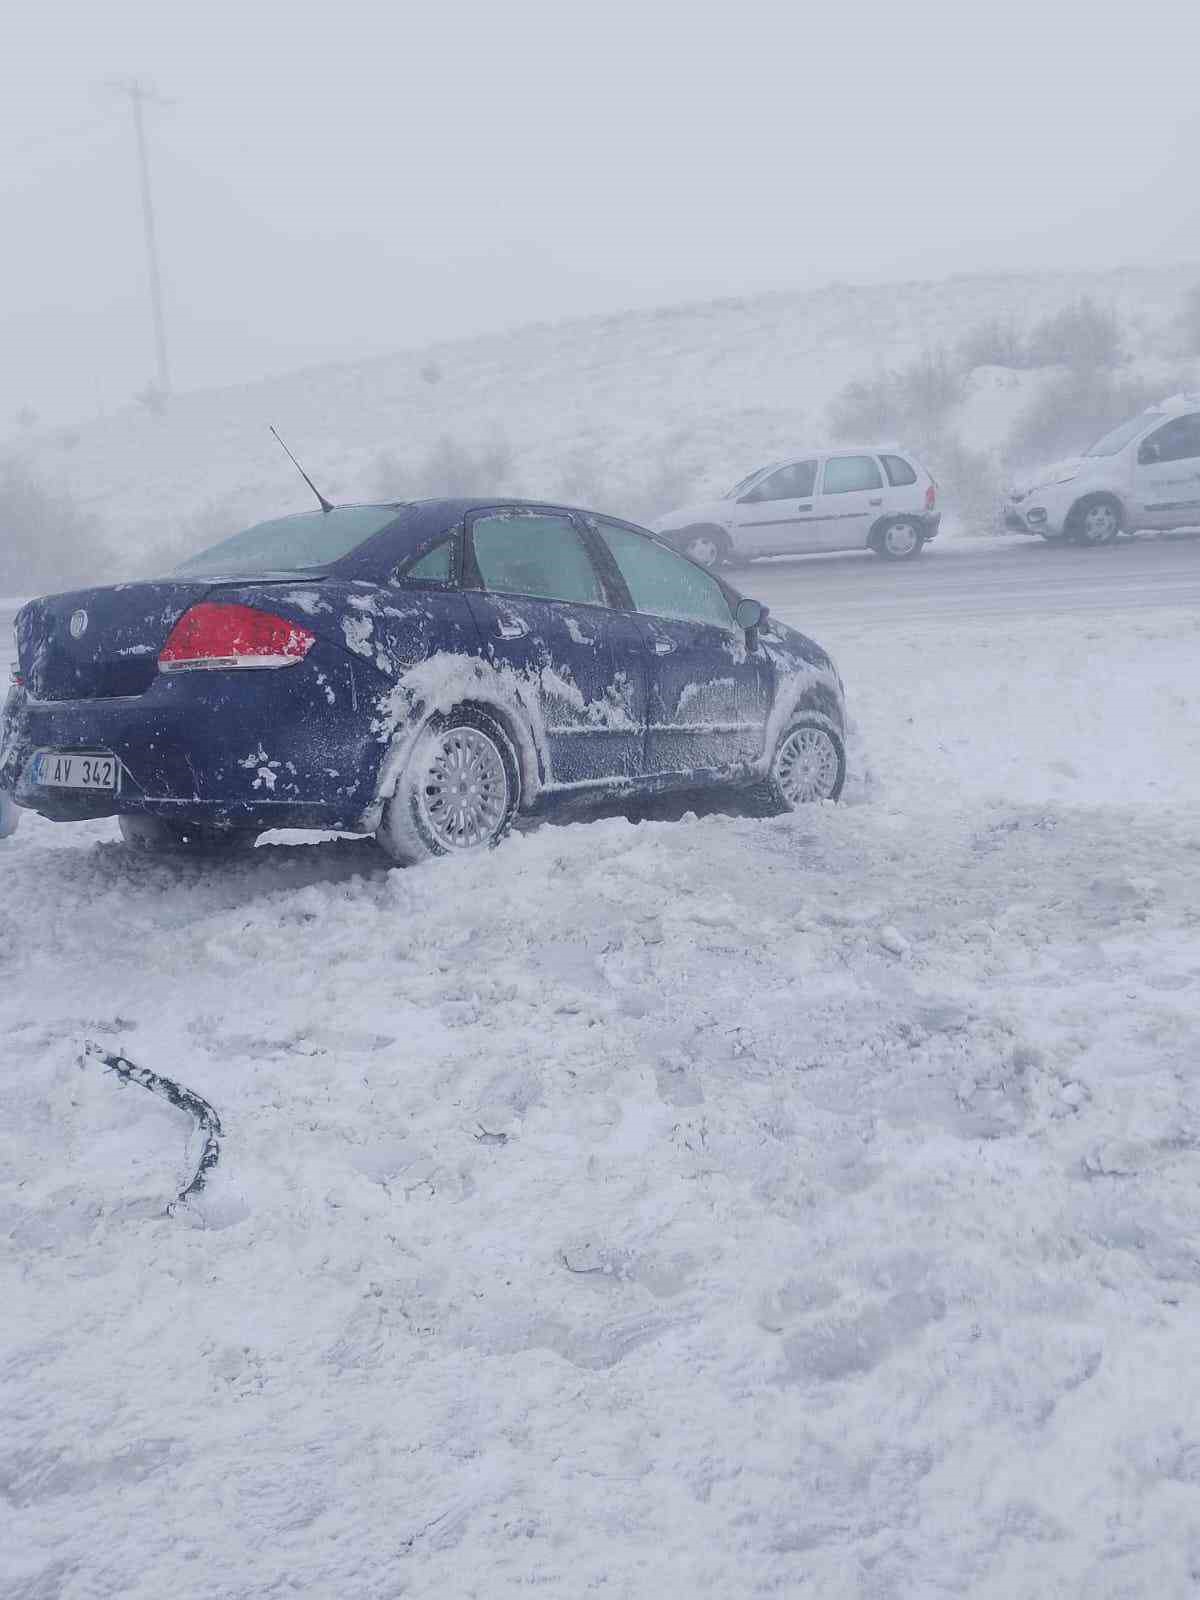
(139, 94)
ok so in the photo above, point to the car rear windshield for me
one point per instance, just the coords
(898, 470)
(1119, 437)
(290, 544)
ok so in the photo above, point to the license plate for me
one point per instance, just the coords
(54, 770)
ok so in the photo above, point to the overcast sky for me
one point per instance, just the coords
(338, 179)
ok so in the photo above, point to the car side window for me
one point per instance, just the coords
(1177, 440)
(843, 474)
(433, 567)
(899, 472)
(538, 553)
(662, 584)
(796, 481)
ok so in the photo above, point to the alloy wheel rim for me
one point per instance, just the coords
(704, 551)
(464, 796)
(1100, 523)
(806, 766)
(901, 538)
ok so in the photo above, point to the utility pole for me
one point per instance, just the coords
(139, 93)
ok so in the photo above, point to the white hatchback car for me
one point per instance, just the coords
(1144, 474)
(873, 497)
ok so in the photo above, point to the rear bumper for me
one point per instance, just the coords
(933, 522)
(220, 747)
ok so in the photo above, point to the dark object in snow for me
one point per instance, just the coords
(201, 1113)
(428, 673)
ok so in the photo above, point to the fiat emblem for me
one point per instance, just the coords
(78, 624)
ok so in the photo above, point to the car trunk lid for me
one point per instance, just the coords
(96, 644)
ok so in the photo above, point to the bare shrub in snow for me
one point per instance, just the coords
(214, 520)
(1189, 322)
(969, 481)
(386, 476)
(1084, 336)
(449, 468)
(864, 409)
(582, 480)
(46, 540)
(666, 482)
(1072, 411)
(927, 389)
(992, 344)
(897, 404)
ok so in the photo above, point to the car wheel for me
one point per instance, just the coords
(156, 836)
(1096, 521)
(707, 547)
(809, 763)
(900, 540)
(459, 790)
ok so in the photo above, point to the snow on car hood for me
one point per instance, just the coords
(1053, 472)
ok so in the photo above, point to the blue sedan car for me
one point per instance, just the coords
(424, 672)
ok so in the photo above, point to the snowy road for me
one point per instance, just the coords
(958, 579)
(727, 1208)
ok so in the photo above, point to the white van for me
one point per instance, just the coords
(861, 497)
(1144, 474)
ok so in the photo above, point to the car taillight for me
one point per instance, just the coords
(213, 635)
(931, 497)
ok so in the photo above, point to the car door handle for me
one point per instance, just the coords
(878, 501)
(663, 647)
(805, 505)
(512, 628)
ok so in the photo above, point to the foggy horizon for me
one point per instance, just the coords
(408, 178)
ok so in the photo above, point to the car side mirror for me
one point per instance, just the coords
(750, 614)
(1148, 452)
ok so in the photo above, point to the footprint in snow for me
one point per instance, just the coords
(850, 1348)
(596, 1349)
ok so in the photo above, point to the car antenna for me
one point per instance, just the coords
(326, 505)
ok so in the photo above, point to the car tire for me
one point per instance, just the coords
(459, 790)
(1095, 521)
(807, 764)
(156, 836)
(707, 547)
(900, 539)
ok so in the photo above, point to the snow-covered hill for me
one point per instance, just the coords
(632, 411)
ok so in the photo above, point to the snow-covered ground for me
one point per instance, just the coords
(724, 1207)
